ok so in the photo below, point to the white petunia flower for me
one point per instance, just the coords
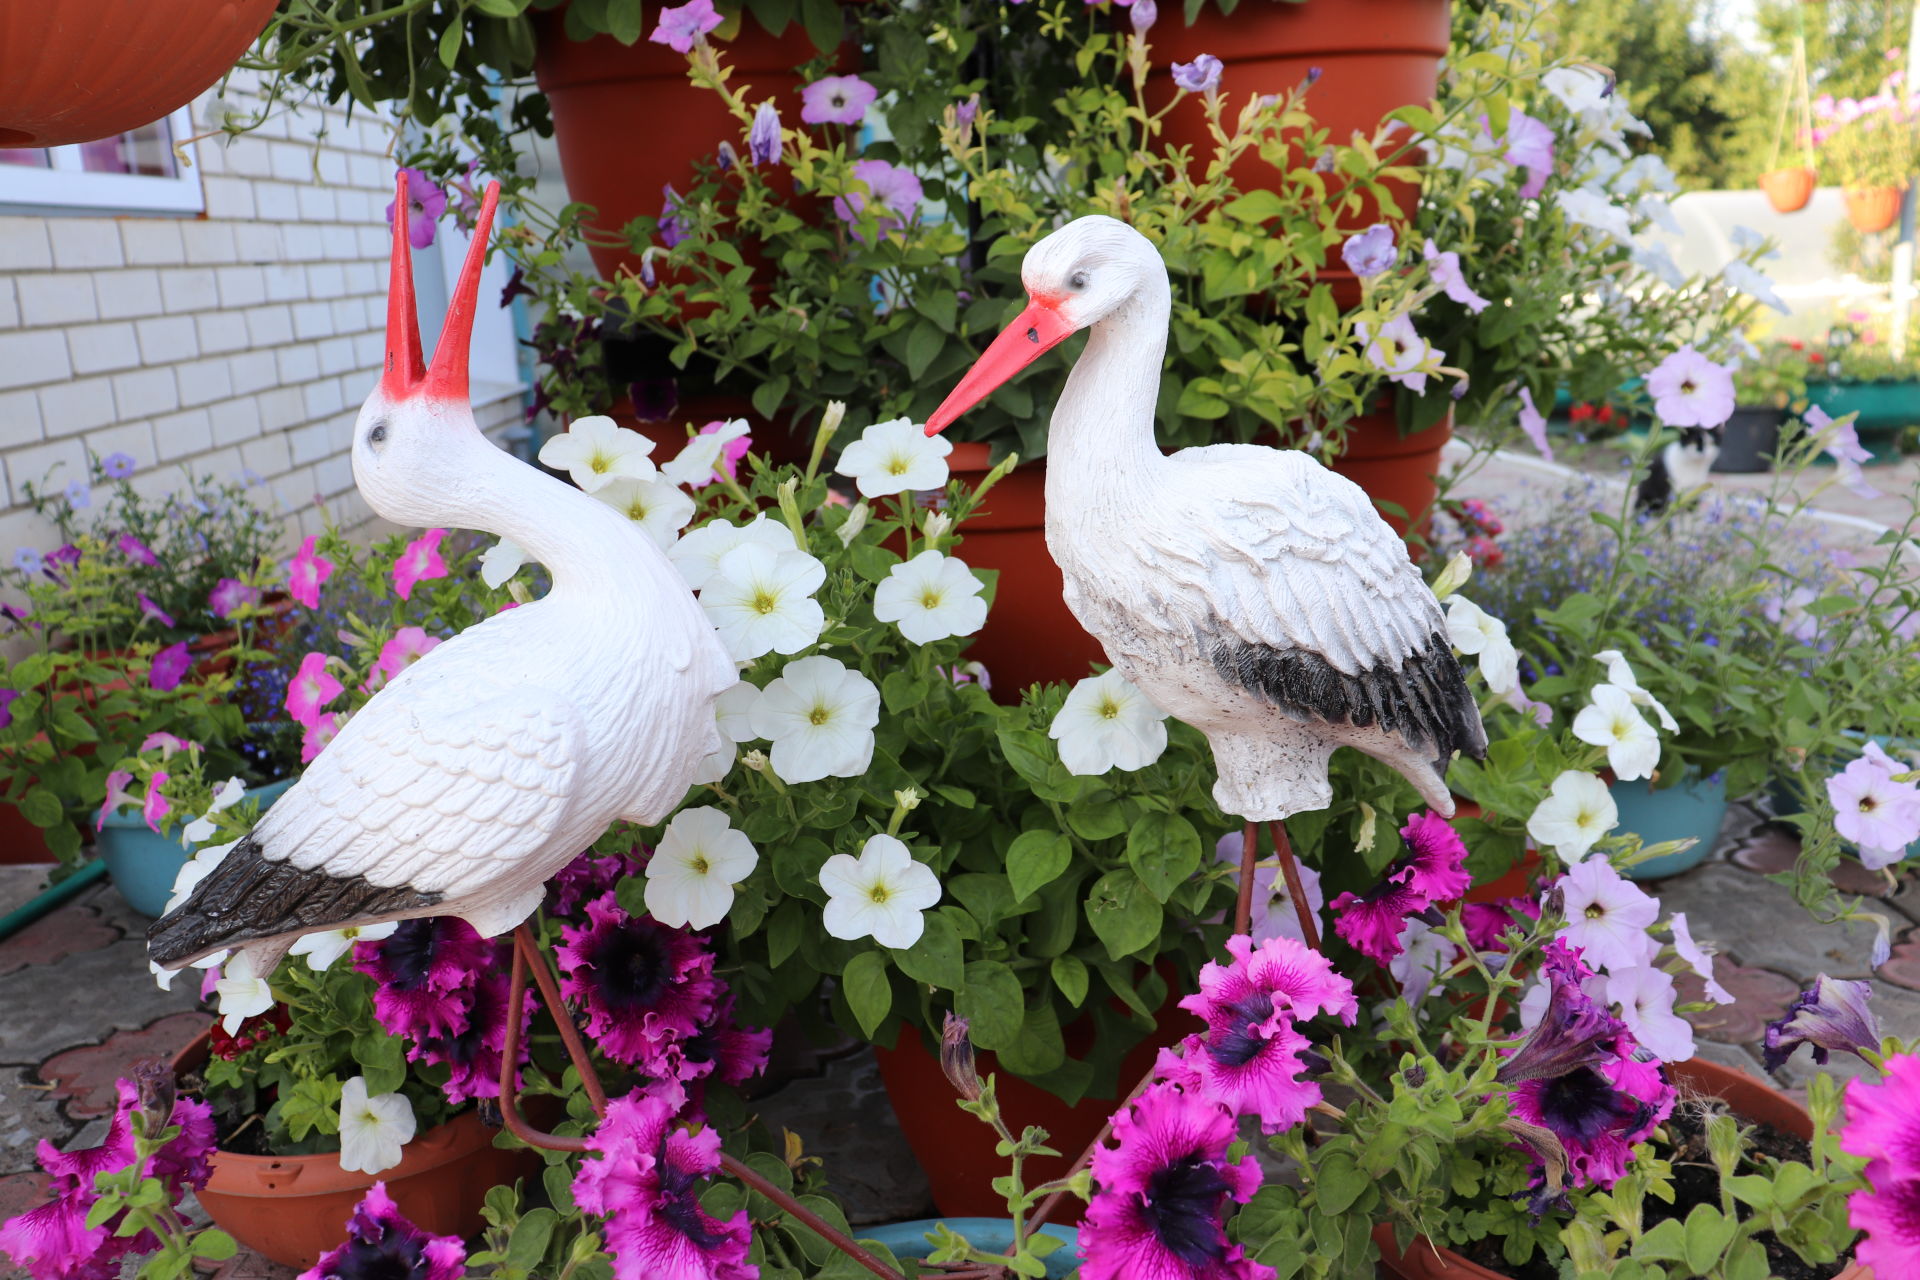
(242, 995)
(893, 457)
(699, 859)
(882, 894)
(1107, 723)
(656, 506)
(1473, 630)
(185, 881)
(1658, 263)
(374, 1132)
(1611, 721)
(1645, 996)
(322, 949)
(1620, 675)
(856, 521)
(699, 458)
(819, 716)
(1753, 282)
(596, 450)
(732, 712)
(500, 562)
(1591, 209)
(697, 555)
(762, 602)
(1698, 958)
(230, 793)
(1576, 814)
(932, 597)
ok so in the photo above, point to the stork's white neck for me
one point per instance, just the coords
(1103, 425)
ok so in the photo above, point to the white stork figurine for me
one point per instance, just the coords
(486, 766)
(1245, 590)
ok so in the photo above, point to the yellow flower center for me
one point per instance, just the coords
(699, 865)
(1108, 709)
(765, 602)
(878, 893)
(601, 464)
(897, 465)
(929, 599)
(819, 715)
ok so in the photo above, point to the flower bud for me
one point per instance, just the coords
(755, 760)
(856, 521)
(830, 418)
(155, 1083)
(907, 800)
(1454, 576)
(936, 525)
(956, 1058)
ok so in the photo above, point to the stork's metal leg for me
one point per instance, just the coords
(1309, 931)
(1249, 854)
(526, 952)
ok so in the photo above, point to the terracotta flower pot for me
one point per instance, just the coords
(1395, 468)
(292, 1209)
(85, 69)
(1788, 190)
(1873, 208)
(1749, 1097)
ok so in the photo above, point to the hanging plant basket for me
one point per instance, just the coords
(1788, 190)
(1873, 208)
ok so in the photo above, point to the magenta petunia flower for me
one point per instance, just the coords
(473, 1054)
(643, 1175)
(1436, 859)
(307, 573)
(896, 189)
(170, 667)
(425, 203)
(420, 562)
(165, 743)
(1486, 923)
(1295, 978)
(382, 1245)
(117, 796)
(730, 454)
(151, 611)
(644, 987)
(719, 1049)
(64, 557)
(1598, 1113)
(137, 551)
(1160, 1202)
(408, 646)
(1690, 390)
(1371, 923)
(228, 595)
(156, 806)
(1889, 1214)
(1829, 1015)
(1202, 75)
(426, 969)
(7, 698)
(589, 876)
(1883, 1127)
(836, 100)
(321, 732)
(311, 689)
(682, 27)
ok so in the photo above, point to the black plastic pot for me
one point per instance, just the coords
(1748, 440)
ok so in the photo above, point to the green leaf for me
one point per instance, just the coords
(1666, 1242)
(214, 1245)
(1098, 819)
(1038, 1048)
(869, 993)
(992, 1003)
(1164, 850)
(1036, 859)
(624, 20)
(528, 1243)
(1709, 1232)
(783, 933)
(1339, 1181)
(381, 1060)
(937, 958)
(311, 1106)
(500, 8)
(902, 691)
(1070, 976)
(1256, 206)
(450, 44)
(924, 342)
(1123, 912)
(769, 395)
(1029, 752)
(41, 807)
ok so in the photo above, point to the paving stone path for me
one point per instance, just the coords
(78, 1009)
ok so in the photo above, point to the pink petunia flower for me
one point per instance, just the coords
(682, 27)
(151, 611)
(166, 743)
(408, 646)
(307, 573)
(229, 595)
(137, 551)
(730, 453)
(156, 806)
(318, 735)
(473, 1055)
(311, 689)
(836, 100)
(420, 562)
(425, 203)
(117, 796)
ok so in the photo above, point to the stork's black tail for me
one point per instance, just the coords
(250, 896)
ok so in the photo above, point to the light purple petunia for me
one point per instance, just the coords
(1445, 270)
(682, 27)
(229, 596)
(896, 189)
(1829, 1015)
(1690, 390)
(117, 465)
(1370, 252)
(1202, 75)
(764, 145)
(1398, 351)
(1845, 449)
(836, 100)
(152, 611)
(1529, 147)
(1534, 423)
(425, 203)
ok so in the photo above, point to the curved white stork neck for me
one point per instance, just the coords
(1101, 436)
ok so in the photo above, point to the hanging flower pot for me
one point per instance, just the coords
(86, 69)
(1873, 209)
(1788, 190)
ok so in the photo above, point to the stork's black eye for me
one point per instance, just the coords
(379, 433)
(1078, 280)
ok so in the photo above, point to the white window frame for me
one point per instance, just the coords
(65, 187)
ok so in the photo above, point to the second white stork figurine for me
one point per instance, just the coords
(1245, 590)
(486, 766)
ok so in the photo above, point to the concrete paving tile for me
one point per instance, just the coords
(55, 936)
(1760, 925)
(82, 999)
(1759, 997)
(27, 1114)
(86, 1075)
(1771, 850)
(19, 882)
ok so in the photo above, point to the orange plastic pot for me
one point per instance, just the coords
(1749, 1097)
(77, 70)
(1788, 190)
(1395, 468)
(292, 1209)
(1873, 208)
(1373, 55)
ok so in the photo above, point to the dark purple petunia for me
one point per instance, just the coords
(473, 1054)
(517, 287)
(426, 969)
(1598, 1112)
(645, 987)
(1577, 1031)
(7, 698)
(64, 557)
(382, 1245)
(588, 877)
(654, 399)
(170, 667)
(1829, 1015)
(719, 1049)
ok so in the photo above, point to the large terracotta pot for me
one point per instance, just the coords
(78, 70)
(1788, 190)
(1030, 636)
(1373, 56)
(1873, 208)
(292, 1209)
(628, 122)
(1749, 1097)
(1395, 468)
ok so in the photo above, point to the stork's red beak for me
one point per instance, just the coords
(1036, 331)
(405, 374)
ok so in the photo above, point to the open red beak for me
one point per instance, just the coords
(1036, 331)
(406, 375)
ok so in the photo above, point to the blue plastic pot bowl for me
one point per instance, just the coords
(909, 1239)
(144, 864)
(1695, 808)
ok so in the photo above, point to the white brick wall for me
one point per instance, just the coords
(245, 338)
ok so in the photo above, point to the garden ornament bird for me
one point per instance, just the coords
(486, 766)
(1245, 590)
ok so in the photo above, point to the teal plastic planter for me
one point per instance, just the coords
(144, 864)
(1695, 808)
(909, 1239)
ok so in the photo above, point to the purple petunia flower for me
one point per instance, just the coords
(644, 987)
(654, 399)
(1433, 870)
(425, 203)
(643, 1174)
(382, 1245)
(671, 232)
(79, 496)
(7, 698)
(1370, 252)
(1145, 14)
(1160, 1204)
(1529, 147)
(1690, 390)
(764, 145)
(472, 1054)
(1575, 1031)
(117, 465)
(836, 100)
(152, 611)
(1534, 424)
(64, 557)
(1202, 75)
(686, 25)
(1829, 1015)
(719, 1049)
(897, 190)
(588, 877)
(137, 551)
(964, 112)
(229, 595)
(170, 667)
(1444, 268)
(425, 969)
(1845, 449)
(1598, 1113)
(1398, 351)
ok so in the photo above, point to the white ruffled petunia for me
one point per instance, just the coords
(242, 995)
(500, 562)
(656, 506)
(882, 894)
(1607, 916)
(819, 715)
(1577, 813)
(698, 554)
(894, 457)
(374, 1132)
(762, 602)
(932, 597)
(1107, 723)
(1646, 996)
(1612, 721)
(322, 949)
(597, 450)
(1474, 631)
(699, 458)
(1620, 675)
(699, 859)
(1697, 958)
